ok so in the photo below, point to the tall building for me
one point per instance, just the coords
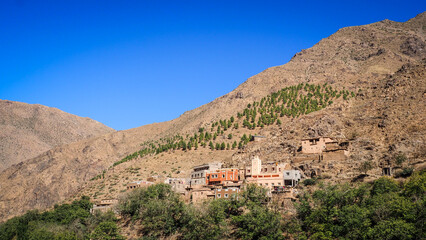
(199, 173)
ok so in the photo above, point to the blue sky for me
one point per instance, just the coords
(131, 63)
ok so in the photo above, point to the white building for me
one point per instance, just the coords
(199, 173)
(291, 177)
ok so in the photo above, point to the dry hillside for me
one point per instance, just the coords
(385, 60)
(27, 130)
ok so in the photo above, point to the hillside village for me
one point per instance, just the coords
(215, 180)
(335, 139)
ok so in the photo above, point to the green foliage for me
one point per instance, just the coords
(381, 210)
(405, 172)
(107, 231)
(208, 222)
(258, 223)
(254, 195)
(222, 146)
(416, 186)
(309, 182)
(160, 209)
(163, 214)
(65, 222)
(384, 185)
(400, 158)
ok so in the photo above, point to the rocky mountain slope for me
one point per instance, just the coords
(27, 130)
(383, 63)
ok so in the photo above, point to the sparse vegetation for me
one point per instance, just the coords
(289, 102)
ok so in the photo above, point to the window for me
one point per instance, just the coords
(273, 169)
(279, 184)
(272, 184)
(288, 174)
(266, 184)
(226, 195)
(248, 171)
(218, 195)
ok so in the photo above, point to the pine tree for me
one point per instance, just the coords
(222, 146)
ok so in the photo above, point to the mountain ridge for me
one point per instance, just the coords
(351, 58)
(27, 130)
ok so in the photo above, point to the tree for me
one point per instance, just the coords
(106, 230)
(222, 146)
(207, 222)
(230, 136)
(384, 185)
(211, 145)
(160, 209)
(365, 167)
(400, 159)
(258, 223)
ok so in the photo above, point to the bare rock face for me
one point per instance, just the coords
(27, 130)
(323, 127)
(414, 47)
(376, 61)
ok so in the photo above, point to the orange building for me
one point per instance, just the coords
(221, 176)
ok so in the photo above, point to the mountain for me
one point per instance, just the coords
(27, 130)
(383, 64)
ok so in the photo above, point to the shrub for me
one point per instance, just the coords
(258, 223)
(400, 158)
(106, 230)
(160, 209)
(405, 172)
(309, 182)
(384, 185)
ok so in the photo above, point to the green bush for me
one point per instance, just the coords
(65, 222)
(381, 210)
(160, 209)
(309, 182)
(405, 172)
